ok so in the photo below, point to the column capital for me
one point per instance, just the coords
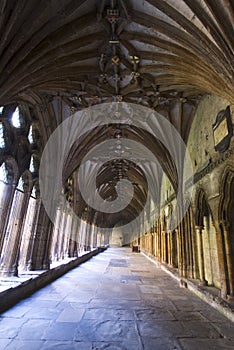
(199, 228)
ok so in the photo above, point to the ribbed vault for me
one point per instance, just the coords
(162, 54)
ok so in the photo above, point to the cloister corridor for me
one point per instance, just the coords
(117, 300)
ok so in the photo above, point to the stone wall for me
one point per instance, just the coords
(201, 244)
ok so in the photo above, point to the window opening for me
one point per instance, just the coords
(15, 119)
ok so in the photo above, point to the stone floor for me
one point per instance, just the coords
(116, 300)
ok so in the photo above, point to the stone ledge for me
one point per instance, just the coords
(13, 295)
(207, 294)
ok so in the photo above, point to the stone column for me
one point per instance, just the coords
(194, 247)
(199, 230)
(222, 260)
(62, 231)
(32, 236)
(73, 240)
(184, 251)
(11, 251)
(68, 233)
(170, 248)
(179, 250)
(42, 242)
(5, 209)
(55, 234)
(229, 259)
(159, 245)
(152, 243)
(94, 236)
(174, 254)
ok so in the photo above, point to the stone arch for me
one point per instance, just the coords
(202, 207)
(206, 235)
(226, 184)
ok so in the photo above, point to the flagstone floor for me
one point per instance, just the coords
(118, 300)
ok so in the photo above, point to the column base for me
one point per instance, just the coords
(203, 283)
(230, 297)
(4, 272)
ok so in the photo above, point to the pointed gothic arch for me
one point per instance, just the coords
(206, 240)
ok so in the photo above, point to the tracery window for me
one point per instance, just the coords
(20, 185)
(16, 119)
(33, 193)
(32, 165)
(2, 138)
(30, 135)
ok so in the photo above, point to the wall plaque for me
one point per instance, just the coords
(222, 130)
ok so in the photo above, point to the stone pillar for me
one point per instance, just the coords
(194, 247)
(229, 259)
(199, 230)
(32, 236)
(189, 255)
(42, 242)
(73, 240)
(163, 245)
(222, 260)
(68, 233)
(152, 243)
(170, 248)
(55, 234)
(60, 252)
(11, 250)
(5, 209)
(159, 243)
(174, 253)
(184, 251)
(179, 250)
(94, 236)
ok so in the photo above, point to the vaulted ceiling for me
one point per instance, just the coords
(161, 54)
(50, 47)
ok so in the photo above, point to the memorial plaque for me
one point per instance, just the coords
(222, 130)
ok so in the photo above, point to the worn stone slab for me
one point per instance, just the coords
(150, 328)
(9, 327)
(149, 289)
(92, 308)
(154, 314)
(114, 331)
(66, 345)
(33, 329)
(109, 314)
(60, 331)
(160, 344)
(25, 345)
(117, 346)
(70, 315)
(4, 343)
(118, 263)
(206, 344)
(202, 329)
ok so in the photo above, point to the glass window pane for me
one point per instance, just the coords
(2, 139)
(20, 185)
(31, 166)
(16, 118)
(30, 135)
